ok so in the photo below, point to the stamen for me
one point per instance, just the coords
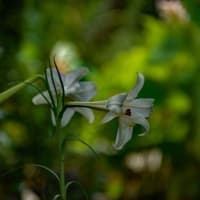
(128, 112)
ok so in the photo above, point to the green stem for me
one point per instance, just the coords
(61, 160)
(98, 105)
(62, 176)
(11, 91)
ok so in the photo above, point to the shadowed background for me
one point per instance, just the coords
(114, 39)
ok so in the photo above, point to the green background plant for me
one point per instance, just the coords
(115, 39)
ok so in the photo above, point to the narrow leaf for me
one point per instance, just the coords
(11, 91)
(47, 169)
(81, 187)
(81, 141)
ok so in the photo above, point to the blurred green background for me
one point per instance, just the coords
(114, 39)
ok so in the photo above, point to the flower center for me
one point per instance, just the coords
(128, 112)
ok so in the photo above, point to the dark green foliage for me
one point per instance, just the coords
(115, 39)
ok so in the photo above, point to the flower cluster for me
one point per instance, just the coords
(68, 87)
(66, 94)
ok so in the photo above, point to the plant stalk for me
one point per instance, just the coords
(62, 176)
(98, 105)
(61, 147)
(11, 91)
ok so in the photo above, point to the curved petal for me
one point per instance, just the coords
(75, 76)
(138, 86)
(124, 134)
(67, 115)
(40, 98)
(85, 91)
(138, 119)
(116, 101)
(86, 112)
(108, 117)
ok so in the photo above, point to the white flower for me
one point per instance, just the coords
(73, 89)
(130, 111)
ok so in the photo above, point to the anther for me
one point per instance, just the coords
(128, 112)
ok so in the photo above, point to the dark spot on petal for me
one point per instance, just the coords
(128, 112)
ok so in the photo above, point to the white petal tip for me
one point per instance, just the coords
(108, 117)
(91, 120)
(140, 76)
(117, 147)
(142, 134)
(34, 100)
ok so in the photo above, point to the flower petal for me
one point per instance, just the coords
(144, 112)
(75, 76)
(53, 118)
(40, 98)
(115, 102)
(124, 134)
(86, 112)
(138, 86)
(108, 117)
(71, 91)
(54, 79)
(138, 119)
(85, 91)
(117, 99)
(141, 103)
(67, 115)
